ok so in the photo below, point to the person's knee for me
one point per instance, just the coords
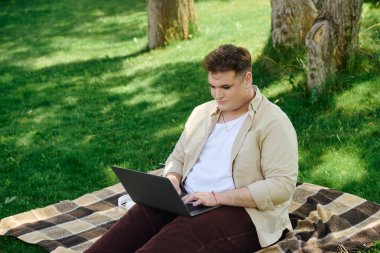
(138, 212)
(137, 208)
(174, 237)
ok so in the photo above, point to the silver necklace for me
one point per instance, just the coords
(225, 124)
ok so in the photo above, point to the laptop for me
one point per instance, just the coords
(157, 192)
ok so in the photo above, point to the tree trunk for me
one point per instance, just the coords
(170, 20)
(291, 20)
(332, 40)
(318, 4)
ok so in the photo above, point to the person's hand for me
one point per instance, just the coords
(204, 198)
(175, 180)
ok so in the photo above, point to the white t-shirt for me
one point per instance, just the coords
(212, 171)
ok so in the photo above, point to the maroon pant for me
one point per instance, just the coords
(144, 229)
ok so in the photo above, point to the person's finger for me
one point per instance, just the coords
(189, 197)
(184, 198)
(198, 202)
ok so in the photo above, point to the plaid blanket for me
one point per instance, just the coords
(324, 220)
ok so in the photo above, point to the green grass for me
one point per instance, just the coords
(79, 93)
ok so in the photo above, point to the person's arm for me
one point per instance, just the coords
(236, 197)
(175, 179)
(175, 161)
(279, 163)
(174, 165)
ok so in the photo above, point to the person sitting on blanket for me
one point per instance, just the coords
(239, 151)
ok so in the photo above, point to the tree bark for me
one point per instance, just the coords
(318, 4)
(332, 40)
(170, 20)
(291, 20)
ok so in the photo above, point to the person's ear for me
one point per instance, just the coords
(248, 79)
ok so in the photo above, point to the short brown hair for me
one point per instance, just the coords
(228, 57)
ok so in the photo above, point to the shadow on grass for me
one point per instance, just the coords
(42, 28)
(326, 129)
(330, 136)
(328, 140)
(63, 126)
(276, 64)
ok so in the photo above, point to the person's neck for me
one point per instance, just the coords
(234, 114)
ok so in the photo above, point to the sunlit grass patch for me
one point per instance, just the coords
(164, 133)
(278, 90)
(79, 32)
(370, 29)
(363, 98)
(339, 167)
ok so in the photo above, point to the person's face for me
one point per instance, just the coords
(230, 91)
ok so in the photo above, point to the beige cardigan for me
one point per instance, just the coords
(264, 159)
